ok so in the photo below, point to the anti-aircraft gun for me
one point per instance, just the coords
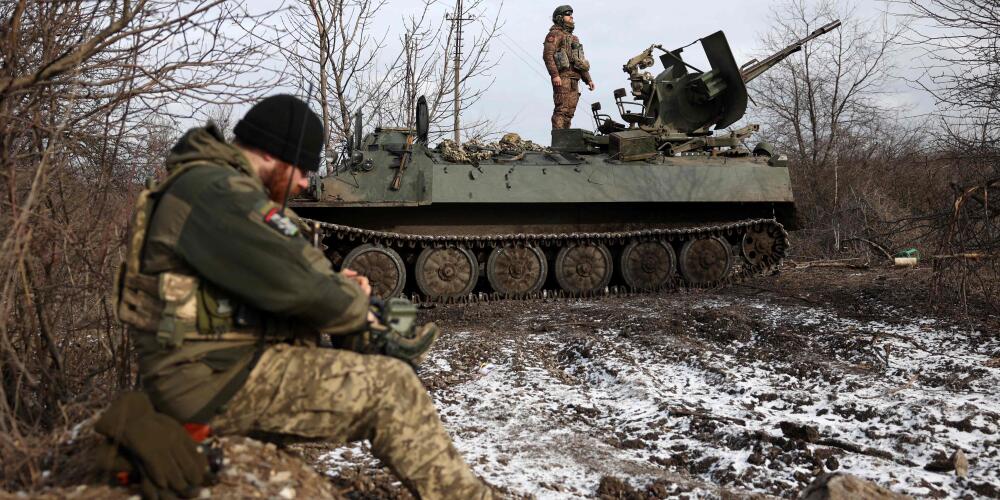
(660, 201)
(680, 107)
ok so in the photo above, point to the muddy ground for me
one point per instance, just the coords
(747, 391)
(752, 390)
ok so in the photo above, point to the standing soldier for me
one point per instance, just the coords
(563, 55)
(226, 302)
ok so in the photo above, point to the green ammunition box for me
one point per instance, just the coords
(631, 145)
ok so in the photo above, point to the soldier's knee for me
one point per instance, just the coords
(396, 367)
(400, 373)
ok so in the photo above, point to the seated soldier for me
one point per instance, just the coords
(226, 302)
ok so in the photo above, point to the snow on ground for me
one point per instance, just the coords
(696, 399)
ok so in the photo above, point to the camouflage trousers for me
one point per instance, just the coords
(341, 396)
(565, 97)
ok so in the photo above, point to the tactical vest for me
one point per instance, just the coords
(569, 54)
(179, 307)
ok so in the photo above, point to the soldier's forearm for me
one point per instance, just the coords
(351, 318)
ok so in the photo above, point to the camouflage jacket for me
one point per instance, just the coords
(214, 222)
(563, 55)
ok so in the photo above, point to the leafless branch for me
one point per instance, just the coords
(90, 95)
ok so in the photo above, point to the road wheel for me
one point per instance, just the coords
(516, 270)
(447, 272)
(763, 245)
(584, 268)
(705, 261)
(648, 265)
(382, 266)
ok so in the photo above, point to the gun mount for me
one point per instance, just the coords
(682, 106)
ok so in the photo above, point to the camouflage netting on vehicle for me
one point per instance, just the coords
(509, 148)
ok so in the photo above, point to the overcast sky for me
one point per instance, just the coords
(520, 98)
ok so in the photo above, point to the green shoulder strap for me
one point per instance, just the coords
(129, 272)
(144, 207)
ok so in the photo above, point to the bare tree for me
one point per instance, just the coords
(334, 45)
(823, 102)
(434, 71)
(88, 108)
(960, 40)
(222, 115)
(331, 43)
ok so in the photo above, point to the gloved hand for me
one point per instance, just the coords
(155, 445)
(393, 333)
(410, 346)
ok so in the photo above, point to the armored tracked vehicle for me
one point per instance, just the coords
(671, 197)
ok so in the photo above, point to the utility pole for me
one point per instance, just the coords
(409, 84)
(457, 20)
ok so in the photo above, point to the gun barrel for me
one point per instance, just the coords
(759, 68)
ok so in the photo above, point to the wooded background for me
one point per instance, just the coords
(89, 95)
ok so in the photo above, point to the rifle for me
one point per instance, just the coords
(403, 160)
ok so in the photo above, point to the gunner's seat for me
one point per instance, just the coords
(604, 123)
(633, 119)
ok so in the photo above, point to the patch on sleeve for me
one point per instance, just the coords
(275, 220)
(551, 38)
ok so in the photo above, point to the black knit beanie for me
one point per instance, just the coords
(278, 124)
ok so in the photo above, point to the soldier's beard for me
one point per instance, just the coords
(568, 25)
(277, 184)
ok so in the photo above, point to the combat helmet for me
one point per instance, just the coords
(562, 10)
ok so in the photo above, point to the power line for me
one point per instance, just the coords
(529, 64)
(521, 49)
